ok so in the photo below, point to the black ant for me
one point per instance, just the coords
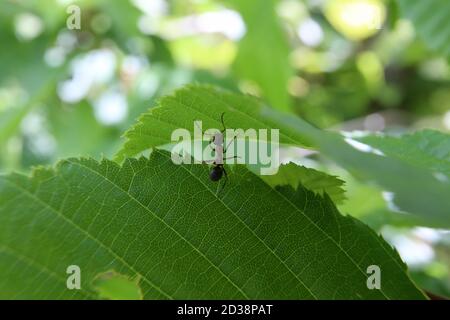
(218, 170)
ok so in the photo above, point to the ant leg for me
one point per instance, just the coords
(229, 144)
(234, 157)
(223, 123)
(225, 181)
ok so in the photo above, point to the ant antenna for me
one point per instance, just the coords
(223, 123)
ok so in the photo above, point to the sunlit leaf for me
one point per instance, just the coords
(292, 175)
(414, 190)
(356, 19)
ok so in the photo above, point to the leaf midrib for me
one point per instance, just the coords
(303, 214)
(33, 196)
(162, 221)
(252, 232)
(187, 241)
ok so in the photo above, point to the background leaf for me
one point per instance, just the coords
(428, 149)
(180, 238)
(269, 69)
(292, 175)
(431, 21)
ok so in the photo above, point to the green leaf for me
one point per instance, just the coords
(414, 190)
(23, 64)
(428, 149)
(206, 103)
(180, 238)
(67, 125)
(263, 54)
(366, 203)
(430, 19)
(292, 175)
(124, 16)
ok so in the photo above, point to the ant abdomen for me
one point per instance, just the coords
(216, 173)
